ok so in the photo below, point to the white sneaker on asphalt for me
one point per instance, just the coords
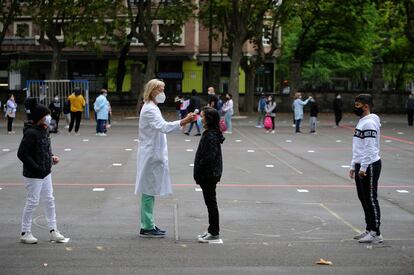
(360, 236)
(371, 237)
(56, 236)
(202, 235)
(28, 238)
(208, 238)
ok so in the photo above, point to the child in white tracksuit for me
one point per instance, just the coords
(36, 154)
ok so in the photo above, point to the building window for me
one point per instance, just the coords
(22, 29)
(134, 41)
(167, 30)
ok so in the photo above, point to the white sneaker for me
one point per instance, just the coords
(267, 131)
(273, 131)
(56, 236)
(208, 238)
(28, 238)
(202, 235)
(361, 235)
(371, 237)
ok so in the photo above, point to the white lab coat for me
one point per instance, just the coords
(153, 175)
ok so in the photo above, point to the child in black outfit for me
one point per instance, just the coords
(208, 167)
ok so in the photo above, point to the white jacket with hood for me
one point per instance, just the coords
(366, 142)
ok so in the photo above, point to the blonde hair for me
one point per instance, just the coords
(150, 87)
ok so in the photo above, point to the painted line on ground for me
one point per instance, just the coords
(191, 165)
(311, 151)
(98, 189)
(117, 164)
(348, 224)
(128, 149)
(67, 150)
(403, 191)
(270, 166)
(190, 150)
(187, 140)
(85, 140)
(303, 190)
(6, 150)
(199, 190)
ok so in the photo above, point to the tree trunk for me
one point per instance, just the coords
(295, 79)
(399, 78)
(150, 69)
(55, 69)
(236, 55)
(249, 96)
(121, 70)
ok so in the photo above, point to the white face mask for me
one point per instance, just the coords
(160, 98)
(48, 120)
(56, 99)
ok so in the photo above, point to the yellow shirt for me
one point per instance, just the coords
(76, 103)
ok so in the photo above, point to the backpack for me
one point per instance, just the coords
(268, 124)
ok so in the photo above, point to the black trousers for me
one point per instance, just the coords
(9, 124)
(338, 117)
(75, 116)
(410, 115)
(273, 122)
(367, 189)
(209, 194)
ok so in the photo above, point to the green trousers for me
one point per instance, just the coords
(147, 212)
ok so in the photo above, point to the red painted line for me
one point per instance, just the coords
(384, 136)
(220, 185)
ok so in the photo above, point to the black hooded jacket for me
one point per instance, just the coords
(208, 163)
(35, 152)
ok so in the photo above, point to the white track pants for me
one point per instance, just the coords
(39, 189)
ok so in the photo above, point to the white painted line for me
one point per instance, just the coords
(303, 190)
(128, 149)
(98, 189)
(238, 140)
(116, 164)
(190, 150)
(250, 151)
(400, 133)
(191, 165)
(68, 150)
(6, 150)
(311, 151)
(1, 188)
(270, 166)
(85, 140)
(403, 191)
(288, 141)
(338, 141)
(199, 190)
(136, 140)
(388, 141)
(187, 140)
(219, 241)
(345, 166)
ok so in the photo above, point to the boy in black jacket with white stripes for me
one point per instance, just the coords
(366, 167)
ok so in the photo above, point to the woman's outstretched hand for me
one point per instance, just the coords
(189, 118)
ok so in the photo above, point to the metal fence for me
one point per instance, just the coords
(45, 91)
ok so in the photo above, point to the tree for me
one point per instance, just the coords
(238, 19)
(67, 23)
(8, 11)
(140, 21)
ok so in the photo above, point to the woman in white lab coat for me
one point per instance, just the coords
(153, 178)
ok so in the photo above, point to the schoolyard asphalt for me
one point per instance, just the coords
(285, 202)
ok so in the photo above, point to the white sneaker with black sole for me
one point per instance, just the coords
(28, 238)
(208, 238)
(361, 235)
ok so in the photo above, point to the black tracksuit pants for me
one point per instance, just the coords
(367, 188)
(209, 194)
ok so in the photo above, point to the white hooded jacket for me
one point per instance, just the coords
(366, 142)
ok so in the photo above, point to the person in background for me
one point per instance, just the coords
(212, 98)
(314, 110)
(153, 175)
(270, 110)
(55, 110)
(410, 109)
(261, 109)
(228, 113)
(11, 108)
(36, 154)
(208, 167)
(66, 112)
(101, 107)
(337, 107)
(178, 101)
(77, 103)
(366, 167)
(195, 104)
(298, 109)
